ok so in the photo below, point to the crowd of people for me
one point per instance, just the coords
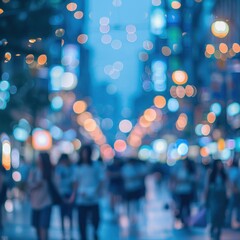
(80, 187)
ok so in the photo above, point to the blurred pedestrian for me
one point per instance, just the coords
(3, 194)
(88, 187)
(133, 174)
(115, 183)
(64, 178)
(234, 198)
(40, 196)
(183, 181)
(216, 200)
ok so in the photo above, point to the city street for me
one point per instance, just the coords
(155, 224)
(126, 112)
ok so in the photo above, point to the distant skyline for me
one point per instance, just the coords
(121, 13)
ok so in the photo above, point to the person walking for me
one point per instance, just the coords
(216, 198)
(3, 194)
(183, 180)
(40, 196)
(88, 186)
(64, 180)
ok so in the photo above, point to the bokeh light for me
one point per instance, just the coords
(82, 38)
(159, 101)
(120, 145)
(220, 29)
(79, 107)
(72, 6)
(179, 77)
(216, 108)
(125, 126)
(150, 114)
(41, 140)
(173, 105)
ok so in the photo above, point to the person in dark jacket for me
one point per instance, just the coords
(3, 194)
(217, 198)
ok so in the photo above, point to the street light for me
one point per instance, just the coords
(220, 29)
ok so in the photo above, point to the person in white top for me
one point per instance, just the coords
(88, 184)
(40, 196)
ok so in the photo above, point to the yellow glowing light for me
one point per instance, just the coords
(78, 15)
(150, 115)
(41, 140)
(159, 101)
(29, 58)
(236, 47)
(79, 107)
(6, 154)
(42, 59)
(179, 77)
(82, 38)
(60, 32)
(211, 117)
(176, 5)
(90, 125)
(1, 11)
(71, 6)
(220, 29)
(8, 56)
(32, 40)
(210, 49)
(120, 145)
(166, 51)
(221, 144)
(223, 47)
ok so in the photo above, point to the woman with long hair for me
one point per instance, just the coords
(217, 198)
(88, 183)
(40, 196)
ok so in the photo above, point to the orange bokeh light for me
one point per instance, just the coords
(223, 47)
(82, 38)
(159, 101)
(150, 115)
(42, 59)
(83, 117)
(71, 6)
(90, 125)
(211, 117)
(79, 107)
(120, 145)
(210, 49)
